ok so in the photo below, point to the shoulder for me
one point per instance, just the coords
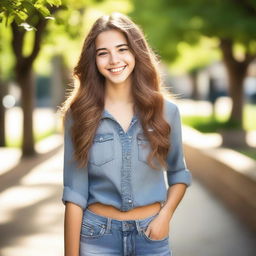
(170, 109)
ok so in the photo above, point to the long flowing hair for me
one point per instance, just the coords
(85, 102)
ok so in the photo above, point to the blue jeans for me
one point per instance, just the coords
(107, 237)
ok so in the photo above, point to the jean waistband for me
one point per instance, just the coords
(124, 225)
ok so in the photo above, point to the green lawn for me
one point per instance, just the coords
(250, 153)
(213, 124)
(11, 142)
(209, 124)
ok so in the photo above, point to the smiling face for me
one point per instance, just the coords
(114, 59)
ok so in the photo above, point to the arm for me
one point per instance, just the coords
(175, 194)
(75, 195)
(178, 177)
(159, 227)
(72, 228)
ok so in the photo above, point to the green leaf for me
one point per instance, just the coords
(18, 20)
(54, 2)
(43, 10)
(28, 6)
(21, 15)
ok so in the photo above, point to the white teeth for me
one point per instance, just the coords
(117, 69)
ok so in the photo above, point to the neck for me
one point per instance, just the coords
(118, 93)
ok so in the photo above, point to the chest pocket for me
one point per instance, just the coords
(102, 150)
(144, 147)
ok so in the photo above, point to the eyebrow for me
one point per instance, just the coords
(119, 45)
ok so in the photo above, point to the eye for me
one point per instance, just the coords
(123, 49)
(102, 53)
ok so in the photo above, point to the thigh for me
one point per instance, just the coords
(96, 240)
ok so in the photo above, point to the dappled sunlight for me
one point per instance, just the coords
(40, 245)
(189, 107)
(197, 139)
(223, 107)
(42, 174)
(34, 207)
(19, 197)
(44, 121)
(49, 143)
(11, 158)
(251, 139)
(237, 161)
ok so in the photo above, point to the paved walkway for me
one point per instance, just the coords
(31, 216)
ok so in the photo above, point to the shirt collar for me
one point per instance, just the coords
(106, 114)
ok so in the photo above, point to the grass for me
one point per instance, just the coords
(16, 142)
(209, 124)
(250, 153)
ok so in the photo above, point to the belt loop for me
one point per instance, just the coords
(139, 229)
(108, 225)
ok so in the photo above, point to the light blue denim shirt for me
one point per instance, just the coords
(117, 172)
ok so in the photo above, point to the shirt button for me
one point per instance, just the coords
(121, 132)
(101, 139)
(127, 157)
(129, 137)
(130, 201)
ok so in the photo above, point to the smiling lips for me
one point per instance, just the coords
(117, 70)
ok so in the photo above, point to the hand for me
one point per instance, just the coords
(158, 228)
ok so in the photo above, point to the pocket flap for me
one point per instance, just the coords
(103, 137)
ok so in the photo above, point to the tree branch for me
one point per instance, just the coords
(37, 42)
(17, 40)
(40, 27)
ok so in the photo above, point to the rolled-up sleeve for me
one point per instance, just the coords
(75, 179)
(177, 171)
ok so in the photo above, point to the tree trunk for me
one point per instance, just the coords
(236, 74)
(2, 114)
(236, 80)
(193, 79)
(23, 70)
(25, 80)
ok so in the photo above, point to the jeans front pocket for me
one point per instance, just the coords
(153, 240)
(102, 150)
(92, 230)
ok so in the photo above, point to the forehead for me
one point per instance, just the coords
(110, 39)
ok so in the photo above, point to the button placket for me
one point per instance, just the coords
(126, 186)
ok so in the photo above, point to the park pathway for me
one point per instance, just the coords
(31, 217)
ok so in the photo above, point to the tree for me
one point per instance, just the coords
(232, 22)
(33, 16)
(24, 16)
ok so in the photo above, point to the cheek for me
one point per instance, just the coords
(132, 61)
(100, 65)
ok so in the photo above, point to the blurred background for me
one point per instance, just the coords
(208, 60)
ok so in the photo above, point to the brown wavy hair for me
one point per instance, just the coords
(86, 100)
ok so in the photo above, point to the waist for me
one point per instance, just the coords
(110, 211)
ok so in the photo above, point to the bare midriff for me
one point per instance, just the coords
(112, 212)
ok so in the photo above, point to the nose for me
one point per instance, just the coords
(114, 59)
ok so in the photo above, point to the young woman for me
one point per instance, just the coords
(122, 137)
